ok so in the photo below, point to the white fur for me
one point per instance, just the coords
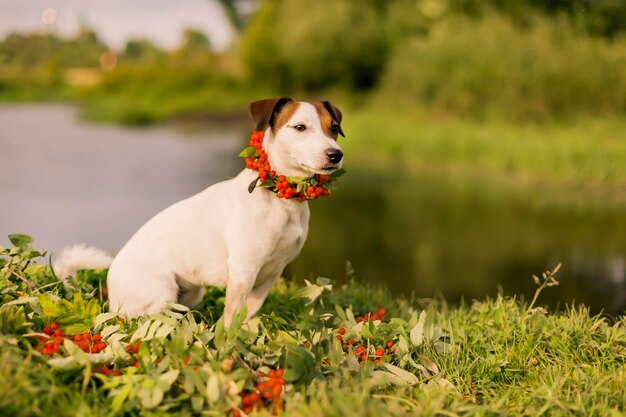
(80, 256)
(223, 236)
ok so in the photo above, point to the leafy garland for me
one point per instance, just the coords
(302, 188)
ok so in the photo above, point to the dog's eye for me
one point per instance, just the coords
(300, 128)
(334, 129)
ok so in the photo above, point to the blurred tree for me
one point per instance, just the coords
(333, 43)
(141, 50)
(196, 41)
(232, 12)
(600, 17)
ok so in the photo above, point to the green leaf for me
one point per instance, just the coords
(249, 152)
(76, 328)
(103, 318)
(337, 174)
(417, 332)
(267, 184)
(220, 332)
(50, 308)
(13, 320)
(20, 240)
(120, 397)
(169, 377)
(197, 403)
(34, 269)
(403, 377)
(212, 389)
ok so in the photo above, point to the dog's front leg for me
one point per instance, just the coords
(258, 295)
(240, 283)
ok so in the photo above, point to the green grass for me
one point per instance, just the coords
(491, 357)
(585, 153)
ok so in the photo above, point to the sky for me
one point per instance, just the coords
(117, 21)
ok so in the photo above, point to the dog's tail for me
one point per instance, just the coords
(78, 257)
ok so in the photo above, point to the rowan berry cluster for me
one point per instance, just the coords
(267, 394)
(260, 161)
(133, 349)
(283, 188)
(374, 315)
(362, 352)
(90, 343)
(108, 370)
(85, 341)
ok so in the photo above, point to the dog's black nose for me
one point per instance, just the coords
(334, 155)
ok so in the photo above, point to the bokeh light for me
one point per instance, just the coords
(49, 16)
(108, 61)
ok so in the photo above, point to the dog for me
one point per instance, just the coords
(232, 234)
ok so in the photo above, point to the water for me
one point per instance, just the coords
(65, 181)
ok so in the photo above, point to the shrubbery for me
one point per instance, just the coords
(477, 67)
(312, 45)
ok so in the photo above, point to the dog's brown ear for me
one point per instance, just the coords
(335, 113)
(263, 112)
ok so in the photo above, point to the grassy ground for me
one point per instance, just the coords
(581, 153)
(492, 357)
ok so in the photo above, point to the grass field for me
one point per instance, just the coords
(415, 357)
(582, 153)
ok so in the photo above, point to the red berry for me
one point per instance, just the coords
(342, 331)
(47, 330)
(246, 401)
(380, 352)
(389, 344)
(54, 325)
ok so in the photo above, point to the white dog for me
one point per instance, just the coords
(232, 234)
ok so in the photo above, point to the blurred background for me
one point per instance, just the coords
(486, 139)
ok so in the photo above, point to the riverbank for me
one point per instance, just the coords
(416, 357)
(420, 220)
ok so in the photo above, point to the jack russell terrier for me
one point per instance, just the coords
(234, 234)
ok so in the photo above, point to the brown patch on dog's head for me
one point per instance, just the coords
(272, 112)
(330, 117)
(284, 115)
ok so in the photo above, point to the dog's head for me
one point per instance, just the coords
(300, 137)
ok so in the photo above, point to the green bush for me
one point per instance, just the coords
(490, 65)
(313, 44)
